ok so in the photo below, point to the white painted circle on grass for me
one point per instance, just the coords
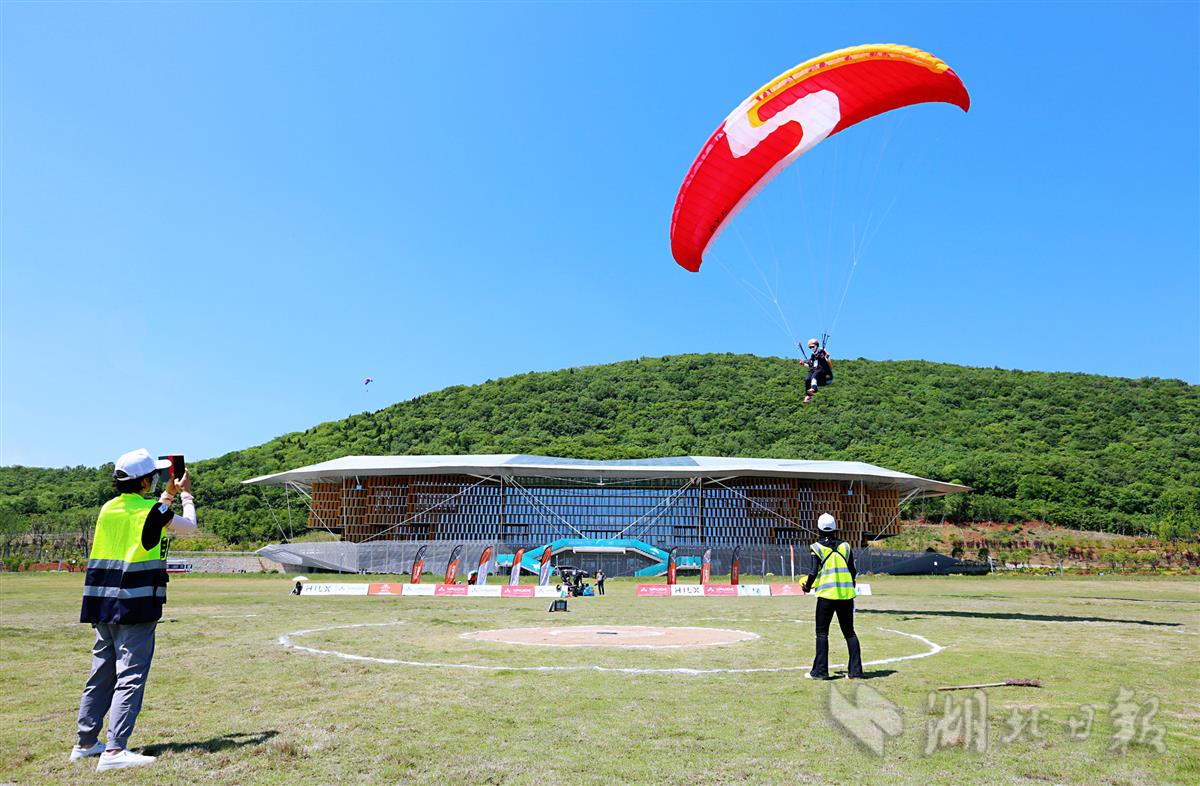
(286, 640)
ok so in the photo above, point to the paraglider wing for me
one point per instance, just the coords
(787, 118)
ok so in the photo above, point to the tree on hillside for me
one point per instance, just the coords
(1178, 513)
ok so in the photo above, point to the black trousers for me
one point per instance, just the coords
(844, 609)
(816, 379)
(600, 587)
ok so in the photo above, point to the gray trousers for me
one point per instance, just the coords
(120, 664)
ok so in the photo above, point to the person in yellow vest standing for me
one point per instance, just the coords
(123, 594)
(834, 575)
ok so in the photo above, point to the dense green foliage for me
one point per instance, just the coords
(1084, 451)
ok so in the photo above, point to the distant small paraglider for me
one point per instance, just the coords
(366, 382)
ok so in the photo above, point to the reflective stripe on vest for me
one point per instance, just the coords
(121, 592)
(125, 584)
(834, 581)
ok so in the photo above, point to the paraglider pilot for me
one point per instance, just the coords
(820, 370)
(834, 575)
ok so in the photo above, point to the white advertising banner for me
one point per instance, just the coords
(310, 588)
(427, 590)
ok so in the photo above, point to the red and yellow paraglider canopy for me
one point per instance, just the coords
(788, 117)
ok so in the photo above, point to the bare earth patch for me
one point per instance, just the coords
(625, 636)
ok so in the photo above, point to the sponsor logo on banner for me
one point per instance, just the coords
(546, 592)
(334, 589)
(485, 591)
(517, 591)
(385, 589)
(787, 589)
(722, 590)
(457, 590)
(427, 590)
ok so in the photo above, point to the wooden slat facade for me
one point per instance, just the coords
(739, 511)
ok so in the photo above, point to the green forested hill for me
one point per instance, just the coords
(1074, 449)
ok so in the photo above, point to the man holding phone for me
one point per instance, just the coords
(123, 595)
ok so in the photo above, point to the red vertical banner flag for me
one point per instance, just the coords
(452, 565)
(418, 566)
(706, 566)
(514, 578)
(485, 562)
(735, 565)
(671, 569)
(792, 558)
(544, 567)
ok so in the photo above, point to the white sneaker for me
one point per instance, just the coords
(78, 753)
(115, 761)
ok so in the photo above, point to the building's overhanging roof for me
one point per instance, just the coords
(519, 465)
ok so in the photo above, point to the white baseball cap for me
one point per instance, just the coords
(827, 523)
(137, 463)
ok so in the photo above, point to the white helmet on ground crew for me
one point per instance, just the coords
(827, 523)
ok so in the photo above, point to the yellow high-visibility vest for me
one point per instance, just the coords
(834, 581)
(125, 584)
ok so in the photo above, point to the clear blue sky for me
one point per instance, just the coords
(218, 218)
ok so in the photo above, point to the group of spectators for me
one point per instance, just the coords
(573, 584)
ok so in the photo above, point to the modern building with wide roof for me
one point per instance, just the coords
(500, 464)
(524, 500)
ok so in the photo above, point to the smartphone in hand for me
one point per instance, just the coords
(177, 467)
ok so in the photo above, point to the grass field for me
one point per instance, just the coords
(227, 703)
